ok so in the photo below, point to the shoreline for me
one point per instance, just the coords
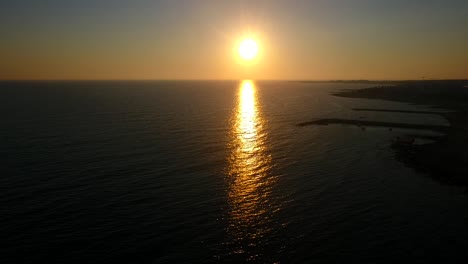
(446, 159)
(366, 123)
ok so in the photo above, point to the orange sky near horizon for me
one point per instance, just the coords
(298, 40)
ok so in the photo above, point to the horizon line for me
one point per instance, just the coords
(286, 80)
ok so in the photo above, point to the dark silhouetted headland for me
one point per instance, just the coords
(328, 121)
(447, 158)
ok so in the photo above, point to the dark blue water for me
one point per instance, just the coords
(191, 172)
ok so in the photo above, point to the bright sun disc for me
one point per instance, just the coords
(248, 49)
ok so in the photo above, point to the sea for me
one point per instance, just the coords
(215, 172)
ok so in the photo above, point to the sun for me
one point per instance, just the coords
(248, 49)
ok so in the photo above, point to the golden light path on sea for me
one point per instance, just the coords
(249, 178)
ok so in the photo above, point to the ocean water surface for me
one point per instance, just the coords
(214, 172)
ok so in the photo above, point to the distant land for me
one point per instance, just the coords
(388, 81)
(447, 159)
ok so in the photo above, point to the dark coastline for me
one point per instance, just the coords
(446, 160)
(365, 123)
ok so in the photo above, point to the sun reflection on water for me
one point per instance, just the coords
(250, 180)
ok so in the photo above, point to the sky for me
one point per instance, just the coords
(198, 39)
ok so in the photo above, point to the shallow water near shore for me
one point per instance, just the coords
(187, 172)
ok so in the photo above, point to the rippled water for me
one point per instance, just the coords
(187, 172)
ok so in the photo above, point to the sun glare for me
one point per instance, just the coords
(248, 49)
